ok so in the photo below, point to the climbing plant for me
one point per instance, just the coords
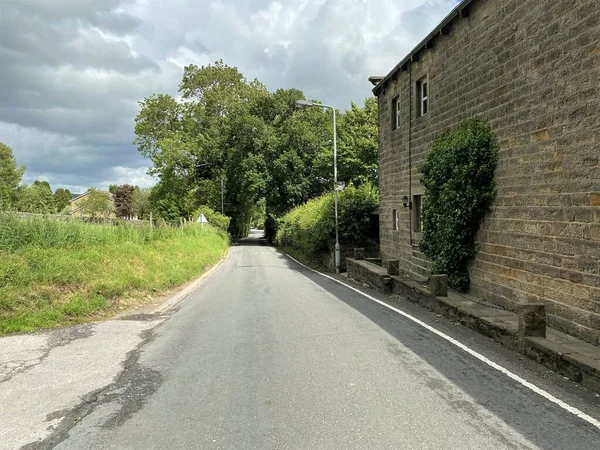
(458, 176)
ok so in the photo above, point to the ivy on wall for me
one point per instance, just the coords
(458, 176)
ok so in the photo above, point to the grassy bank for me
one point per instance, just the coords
(54, 273)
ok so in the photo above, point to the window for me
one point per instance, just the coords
(416, 213)
(395, 113)
(422, 96)
(395, 220)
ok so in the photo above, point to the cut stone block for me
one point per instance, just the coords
(438, 285)
(532, 320)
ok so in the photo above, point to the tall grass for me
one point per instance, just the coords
(17, 232)
(57, 272)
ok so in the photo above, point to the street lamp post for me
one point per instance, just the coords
(307, 103)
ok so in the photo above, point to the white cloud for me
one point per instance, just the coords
(73, 72)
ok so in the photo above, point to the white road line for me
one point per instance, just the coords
(472, 352)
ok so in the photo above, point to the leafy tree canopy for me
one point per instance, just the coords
(123, 201)
(10, 177)
(37, 198)
(96, 204)
(231, 138)
(62, 197)
(141, 203)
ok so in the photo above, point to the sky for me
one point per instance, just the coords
(73, 71)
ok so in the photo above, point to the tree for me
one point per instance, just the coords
(258, 144)
(10, 177)
(358, 144)
(123, 201)
(37, 198)
(43, 183)
(141, 203)
(96, 204)
(62, 198)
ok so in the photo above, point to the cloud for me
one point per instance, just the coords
(73, 71)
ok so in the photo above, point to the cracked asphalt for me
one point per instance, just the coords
(268, 355)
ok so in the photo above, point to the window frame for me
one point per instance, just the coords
(395, 220)
(396, 112)
(422, 88)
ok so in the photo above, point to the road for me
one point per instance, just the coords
(267, 354)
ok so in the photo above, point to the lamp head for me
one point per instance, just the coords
(303, 103)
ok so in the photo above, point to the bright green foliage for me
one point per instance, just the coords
(37, 198)
(96, 204)
(259, 214)
(309, 229)
(261, 146)
(458, 175)
(216, 219)
(43, 183)
(157, 119)
(141, 203)
(357, 146)
(61, 272)
(10, 177)
(62, 197)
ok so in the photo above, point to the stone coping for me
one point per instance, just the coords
(571, 357)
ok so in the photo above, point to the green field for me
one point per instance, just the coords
(55, 273)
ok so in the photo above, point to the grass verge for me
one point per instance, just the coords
(60, 273)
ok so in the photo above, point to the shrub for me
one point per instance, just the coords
(458, 175)
(271, 224)
(216, 219)
(310, 228)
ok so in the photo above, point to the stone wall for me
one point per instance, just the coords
(530, 67)
(371, 250)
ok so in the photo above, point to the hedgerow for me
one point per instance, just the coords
(310, 228)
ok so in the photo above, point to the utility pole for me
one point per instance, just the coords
(307, 103)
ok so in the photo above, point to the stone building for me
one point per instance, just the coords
(532, 69)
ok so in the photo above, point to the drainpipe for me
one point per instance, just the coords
(410, 122)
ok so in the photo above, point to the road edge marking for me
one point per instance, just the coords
(479, 356)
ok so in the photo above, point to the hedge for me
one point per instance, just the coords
(216, 219)
(309, 229)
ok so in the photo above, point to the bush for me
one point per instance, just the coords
(214, 218)
(271, 224)
(310, 228)
(458, 175)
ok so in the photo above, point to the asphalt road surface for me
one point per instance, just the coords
(269, 355)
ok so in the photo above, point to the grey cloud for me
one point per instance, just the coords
(99, 13)
(29, 40)
(72, 71)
